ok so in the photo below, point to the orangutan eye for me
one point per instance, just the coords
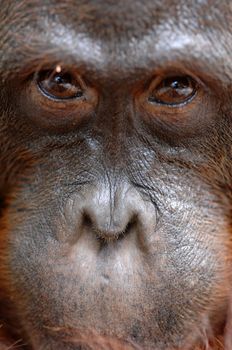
(174, 91)
(59, 85)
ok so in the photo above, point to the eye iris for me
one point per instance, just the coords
(62, 85)
(174, 91)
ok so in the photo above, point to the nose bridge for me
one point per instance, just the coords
(113, 114)
(115, 126)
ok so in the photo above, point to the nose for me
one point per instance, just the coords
(110, 213)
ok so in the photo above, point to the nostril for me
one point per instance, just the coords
(87, 222)
(131, 224)
(110, 233)
(3, 204)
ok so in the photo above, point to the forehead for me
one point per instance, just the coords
(123, 33)
(132, 18)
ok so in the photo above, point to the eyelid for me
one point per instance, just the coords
(53, 98)
(46, 74)
(172, 69)
(162, 78)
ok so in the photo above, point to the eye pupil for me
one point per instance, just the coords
(175, 84)
(59, 80)
(174, 91)
(59, 85)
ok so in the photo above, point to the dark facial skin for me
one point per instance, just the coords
(115, 181)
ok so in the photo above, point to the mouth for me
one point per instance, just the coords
(122, 295)
(73, 339)
(81, 339)
(67, 338)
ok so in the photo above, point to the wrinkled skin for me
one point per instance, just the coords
(115, 228)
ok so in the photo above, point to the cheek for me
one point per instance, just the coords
(164, 285)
